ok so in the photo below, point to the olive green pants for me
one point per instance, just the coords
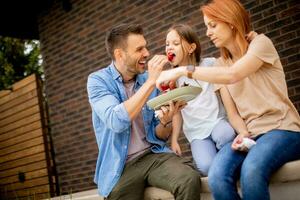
(165, 170)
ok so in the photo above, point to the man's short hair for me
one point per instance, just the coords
(117, 37)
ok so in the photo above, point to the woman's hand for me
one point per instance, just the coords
(169, 75)
(237, 140)
(251, 35)
(236, 144)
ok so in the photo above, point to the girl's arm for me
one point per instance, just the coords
(176, 129)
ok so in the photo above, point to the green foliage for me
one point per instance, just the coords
(18, 59)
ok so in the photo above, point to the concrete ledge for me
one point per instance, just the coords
(287, 173)
(284, 184)
(85, 195)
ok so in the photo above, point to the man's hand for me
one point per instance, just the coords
(155, 66)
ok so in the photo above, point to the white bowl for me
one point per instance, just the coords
(185, 93)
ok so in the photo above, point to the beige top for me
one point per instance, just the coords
(262, 98)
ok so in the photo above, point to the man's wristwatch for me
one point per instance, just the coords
(190, 70)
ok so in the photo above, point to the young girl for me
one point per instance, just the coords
(204, 121)
(254, 88)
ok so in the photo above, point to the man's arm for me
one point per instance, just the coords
(134, 104)
(117, 115)
(106, 103)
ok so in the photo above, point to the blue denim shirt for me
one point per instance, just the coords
(112, 124)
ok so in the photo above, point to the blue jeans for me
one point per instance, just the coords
(254, 169)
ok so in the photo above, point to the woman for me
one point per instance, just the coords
(204, 121)
(252, 84)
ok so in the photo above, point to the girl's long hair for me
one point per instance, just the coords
(189, 35)
(235, 15)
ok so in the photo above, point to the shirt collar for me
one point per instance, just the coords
(115, 73)
(139, 79)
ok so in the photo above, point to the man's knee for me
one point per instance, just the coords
(186, 178)
(188, 187)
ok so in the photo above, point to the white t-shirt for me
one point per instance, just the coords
(201, 114)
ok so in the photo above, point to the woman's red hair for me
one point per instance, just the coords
(235, 15)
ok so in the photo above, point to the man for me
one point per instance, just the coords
(131, 141)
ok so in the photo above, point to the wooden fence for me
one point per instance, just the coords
(26, 164)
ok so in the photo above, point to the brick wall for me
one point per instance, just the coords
(73, 46)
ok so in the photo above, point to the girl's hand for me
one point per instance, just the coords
(176, 148)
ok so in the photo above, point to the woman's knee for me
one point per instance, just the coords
(224, 169)
(216, 180)
(253, 174)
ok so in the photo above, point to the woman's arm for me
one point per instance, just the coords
(234, 118)
(242, 68)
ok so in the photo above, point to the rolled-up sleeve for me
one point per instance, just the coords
(107, 105)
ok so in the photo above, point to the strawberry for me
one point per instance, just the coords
(171, 56)
(164, 87)
(168, 86)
